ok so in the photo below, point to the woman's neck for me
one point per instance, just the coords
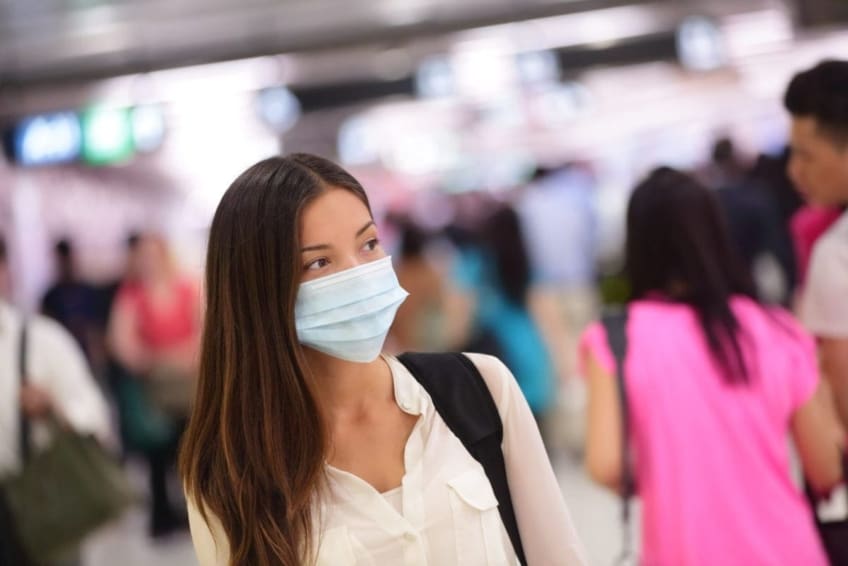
(349, 388)
(160, 282)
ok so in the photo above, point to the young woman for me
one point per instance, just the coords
(154, 331)
(306, 446)
(715, 382)
(507, 317)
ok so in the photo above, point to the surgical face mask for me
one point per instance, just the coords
(347, 315)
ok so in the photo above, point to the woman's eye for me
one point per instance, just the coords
(372, 244)
(319, 263)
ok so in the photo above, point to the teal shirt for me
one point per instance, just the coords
(521, 342)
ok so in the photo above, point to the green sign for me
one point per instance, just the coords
(106, 136)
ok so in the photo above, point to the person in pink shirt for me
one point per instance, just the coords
(154, 332)
(716, 382)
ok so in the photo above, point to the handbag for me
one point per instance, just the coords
(170, 390)
(144, 426)
(833, 534)
(12, 553)
(63, 493)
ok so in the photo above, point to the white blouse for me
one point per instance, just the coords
(445, 511)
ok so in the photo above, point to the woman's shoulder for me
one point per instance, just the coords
(497, 376)
(641, 315)
(489, 366)
(774, 323)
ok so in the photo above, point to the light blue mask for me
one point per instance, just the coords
(347, 315)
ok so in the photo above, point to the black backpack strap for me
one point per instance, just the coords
(463, 400)
(615, 325)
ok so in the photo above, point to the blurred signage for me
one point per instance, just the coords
(97, 136)
(148, 127)
(47, 139)
(106, 136)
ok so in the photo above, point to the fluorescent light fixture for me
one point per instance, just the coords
(700, 44)
(279, 108)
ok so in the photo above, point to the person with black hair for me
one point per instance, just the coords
(757, 230)
(817, 100)
(714, 380)
(497, 270)
(560, 223)
(71, 302)
(418, 322)
(727, 167)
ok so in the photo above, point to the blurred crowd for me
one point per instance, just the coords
(714, 368)
(129, 346)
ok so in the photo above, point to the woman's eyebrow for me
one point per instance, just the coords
(315, 247)
(364, 228)
(327, 246)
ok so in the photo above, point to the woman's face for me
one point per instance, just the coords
(337, 233)
(150, 257)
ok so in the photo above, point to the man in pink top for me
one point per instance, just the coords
(817, 99)
(808, 224)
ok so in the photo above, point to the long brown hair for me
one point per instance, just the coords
(254, 450)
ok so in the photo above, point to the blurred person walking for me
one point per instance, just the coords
(508, 308)
(713, 381)
(419, 320)
(309, 446)
(71, 302)
(154, 333)
(757, 229)
(58, 385)
(559, 221)
(770, 172)
(817, 100)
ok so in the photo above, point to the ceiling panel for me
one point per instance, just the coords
(53, 40)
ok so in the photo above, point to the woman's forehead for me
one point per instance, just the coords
(335, 213)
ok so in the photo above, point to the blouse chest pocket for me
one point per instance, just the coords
(338, 548)
(480, 537)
